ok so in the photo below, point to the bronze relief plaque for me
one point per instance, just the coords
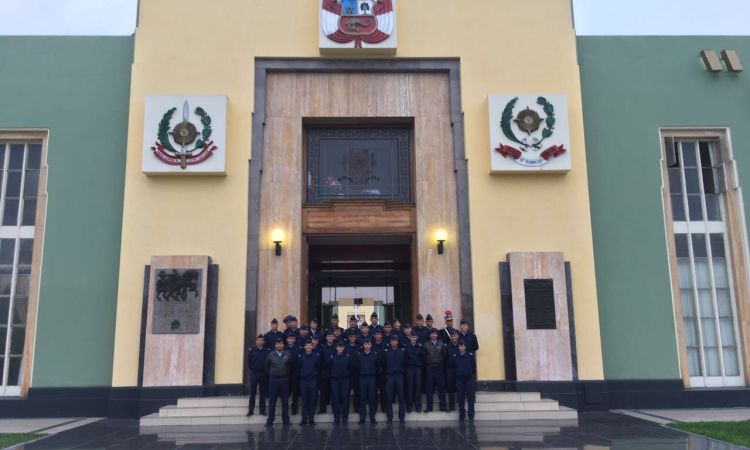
(177, 301)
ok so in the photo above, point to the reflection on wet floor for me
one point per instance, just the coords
(592, 431)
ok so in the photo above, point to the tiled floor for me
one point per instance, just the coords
(592, 431)
(690, 415)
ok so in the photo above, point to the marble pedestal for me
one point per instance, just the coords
(541, 354)
(176, 321)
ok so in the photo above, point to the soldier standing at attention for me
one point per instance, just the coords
(368, 365)
(433, 353)
(466, 368)
(308, 363)
(413, 374)
(420, 330)
(404, 340)
(374, 326)
(313, 329)
(451, 348)
(272, 336)
(352, 328)
(397, 328)
(446, 333)
(428, 325)
(327, 351)
(472, 343)
(364, 333)
(294, 330)
(293, 351)
(340, 367)
(287, 323)
(352, 349)
(334, 324)
(304, 334)
(278, 367)
(378, 346)
(387, 331)
(394, 359)
(256, 362)
(338, 336)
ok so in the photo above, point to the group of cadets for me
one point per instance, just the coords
(380, 363)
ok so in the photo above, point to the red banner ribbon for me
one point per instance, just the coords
(174, 160)
(555, 150)
(506, 150)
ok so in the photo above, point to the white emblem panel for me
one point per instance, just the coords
(357, 27)
(185, 135)
(529, 133)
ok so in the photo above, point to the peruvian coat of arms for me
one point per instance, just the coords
(193, 146)
(358, 21)
(535, 125)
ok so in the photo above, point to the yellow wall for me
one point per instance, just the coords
(505, 46)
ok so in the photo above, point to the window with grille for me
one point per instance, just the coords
(20, 164)
(703, 259)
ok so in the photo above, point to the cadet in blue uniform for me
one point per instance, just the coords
(313, 329)
(334, 324)
(341, 365)
(433, 352)
(378, 346)
(278, 368)
(308, 364)
(327, 351)
(352, 328)
(394, 359)
(397, 330)
(368, 365)
(374, 325)
(387, 331)
(466, 368)
(420, 330)
(404, 339)
(414, 375)
(352, 349)
(293, 350)
(428, 325)
(338, 336)
(292, 329)
(472, 343)
(364, 333)
(272, 336)
(304, 335)
(256, 362)
(450, 372)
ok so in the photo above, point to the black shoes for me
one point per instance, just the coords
(427, 410)
(471, 420)
(419, 410)
(373, 421)
(461, 419)
(408, 410)
(444, 409)
(389, 421)
(402, 420)
(361, 421)
(336, 422)
(262, 413)
(269, 424)
(287, 423)
(249, 413)
(304, 422)
(294, 411)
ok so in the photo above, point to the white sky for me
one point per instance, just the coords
(593, 17)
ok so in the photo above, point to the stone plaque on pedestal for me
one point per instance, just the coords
(176, 321)
(541, 324)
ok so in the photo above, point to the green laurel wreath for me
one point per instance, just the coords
(164, 129)
(507, 118)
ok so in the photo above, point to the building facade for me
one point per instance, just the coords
(577, 200)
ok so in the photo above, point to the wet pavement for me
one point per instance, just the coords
(592, 431)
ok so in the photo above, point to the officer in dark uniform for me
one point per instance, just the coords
(450, 372)
(304, 335)
(445, 335)
(420, 330)
(352, 328)
(433, 353)
(272, 336)
(292, 329)
(472, 343)
(378, 346)
(413, 374)
(368, 366)
(374, 324)
(352, 349)
(327, 351)
(256, 362)
(308, 364)
(313, 329)
(278, 367)
(287, 323)
(404, 339)
(364, 333)
(428, 324)
(293, 350)
(394, 359)
(341, 365)
(338, 336)
(397, 330)
(334, 324)
(465, 366)
(387, 332)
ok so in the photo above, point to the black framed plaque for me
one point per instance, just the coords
(540, 304)
(177, 301)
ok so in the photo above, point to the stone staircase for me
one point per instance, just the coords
(497, 406)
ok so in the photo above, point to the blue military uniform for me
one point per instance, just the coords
(394, 366)
(466, 368)
(272, 336)
(353, 351)
(256, 362)
(374, 328)
(471, 341)
(368, 366)
(381, 381)
(341, 367)
(413, 377)
(450, 376)
(325, 375)
(294, 376)
(308, 365)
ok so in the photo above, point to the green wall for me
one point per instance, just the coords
(632, 86)
(78, 88)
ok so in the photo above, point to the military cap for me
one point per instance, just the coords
(448, 316)
(260, 336)
(335, 316)
(407, 325)
(461, 342)
(313, 321)
(429, 317)
(368, 340)
(378, 331)
(365, 324)
(279, 340)
(387, 324)
(329, 333)
(352, 335)
(309, 341)
(395, 319)
(287, 319)
(374, 315)
(315, 338)
(419, 317)
(453, 332)
(293, 319)
(395, 338)
(274, 321)
(291, 335)
(464, 322)
(353, 319)
(303, 326)
(339, 344)
(411, 336)
(433, 331)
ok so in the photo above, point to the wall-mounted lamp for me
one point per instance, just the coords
(441, 236)
(277, 236)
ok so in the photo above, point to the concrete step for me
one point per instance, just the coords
(212, 411)
(156, 420)
(482, 397)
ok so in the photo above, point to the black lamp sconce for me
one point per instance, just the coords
(277, 236)
(441, 236)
